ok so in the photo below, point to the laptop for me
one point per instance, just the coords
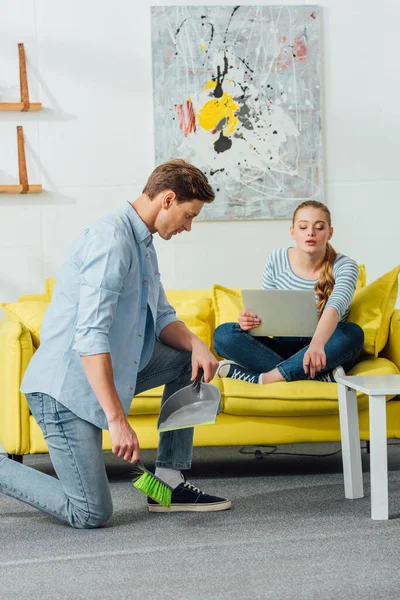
(286, 313)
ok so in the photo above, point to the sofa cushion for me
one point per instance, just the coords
(372, 308)
(195, 312)
(49, 287)
(30, 314)
(227, 304)
(147, 404)
(174, 295)
(297, 398)
(362, 277)
(392, 348)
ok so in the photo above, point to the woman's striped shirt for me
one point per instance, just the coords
(278, 275)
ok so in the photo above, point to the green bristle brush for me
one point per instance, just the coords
(152, 486)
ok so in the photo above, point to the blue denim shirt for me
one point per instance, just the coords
(108, 298)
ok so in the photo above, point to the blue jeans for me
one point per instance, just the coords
(81, 494)
(262, 354)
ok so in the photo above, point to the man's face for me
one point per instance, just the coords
(176, 217)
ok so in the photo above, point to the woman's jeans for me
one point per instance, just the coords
(262, 354)
(81, 493)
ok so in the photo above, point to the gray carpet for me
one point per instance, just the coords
(291, 535)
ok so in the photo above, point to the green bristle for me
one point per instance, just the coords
(154, 488)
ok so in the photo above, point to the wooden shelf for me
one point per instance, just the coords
(24, 105)
(20, 106)
(23, 187)
(19, 189)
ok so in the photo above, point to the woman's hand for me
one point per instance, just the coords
(314, 359)
(248, 320)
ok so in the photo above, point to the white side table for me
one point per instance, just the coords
(377, 387)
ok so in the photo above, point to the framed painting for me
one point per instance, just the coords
(237, 92)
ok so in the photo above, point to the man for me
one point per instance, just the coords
(110, 333)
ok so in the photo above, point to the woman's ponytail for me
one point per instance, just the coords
(324, 286)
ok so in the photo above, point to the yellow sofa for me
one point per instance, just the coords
(303, 411)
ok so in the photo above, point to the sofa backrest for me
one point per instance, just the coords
(195, 307)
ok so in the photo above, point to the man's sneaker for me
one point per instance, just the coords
(187, 497)
(227, 368)
(330, 376)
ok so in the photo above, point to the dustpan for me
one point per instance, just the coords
(196, 404)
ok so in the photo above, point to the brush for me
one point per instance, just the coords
(152, 486)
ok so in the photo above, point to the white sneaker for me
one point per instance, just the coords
(330, 376)
(338, 371)
(224, 368)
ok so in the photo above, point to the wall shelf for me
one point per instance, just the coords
(23, 187)
(18, 189)
(20, 106)
(24, 105)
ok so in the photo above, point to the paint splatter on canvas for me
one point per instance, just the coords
(237, 93)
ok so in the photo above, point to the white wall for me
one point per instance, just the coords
(92, 145)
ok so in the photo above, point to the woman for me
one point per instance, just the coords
(312, 264)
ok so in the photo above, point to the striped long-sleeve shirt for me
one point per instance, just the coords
(278, 275)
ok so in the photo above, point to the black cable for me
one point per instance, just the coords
(312, 455)
(274, 450)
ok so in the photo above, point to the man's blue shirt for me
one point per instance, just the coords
(108, 299)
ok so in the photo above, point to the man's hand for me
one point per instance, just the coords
(178, 336)
(314, 359)
(202, 358)
(248, 320)
(124, 440)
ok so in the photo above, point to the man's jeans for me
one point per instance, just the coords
(262, 354)
(81, 494)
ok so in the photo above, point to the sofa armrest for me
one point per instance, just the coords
(392, 348)
(16, 350)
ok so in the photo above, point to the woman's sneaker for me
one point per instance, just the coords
(330, 376)
(188, 498)
(228, 368)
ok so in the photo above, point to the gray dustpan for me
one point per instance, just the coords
(197, 404)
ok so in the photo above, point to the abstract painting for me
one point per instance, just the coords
(237, 93)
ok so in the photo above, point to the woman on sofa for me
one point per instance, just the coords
(312, 264)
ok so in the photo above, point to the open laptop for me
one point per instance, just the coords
(291, 313)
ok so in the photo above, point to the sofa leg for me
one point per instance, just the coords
(17, 457)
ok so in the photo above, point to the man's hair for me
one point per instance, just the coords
(186, 180)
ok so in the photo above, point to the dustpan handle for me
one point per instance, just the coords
(196, 382)
(200, 374)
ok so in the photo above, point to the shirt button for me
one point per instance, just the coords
(143, 308)
(131, 387)
(145, 281)
(140, 334)
(147, 255)
(136, 362)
